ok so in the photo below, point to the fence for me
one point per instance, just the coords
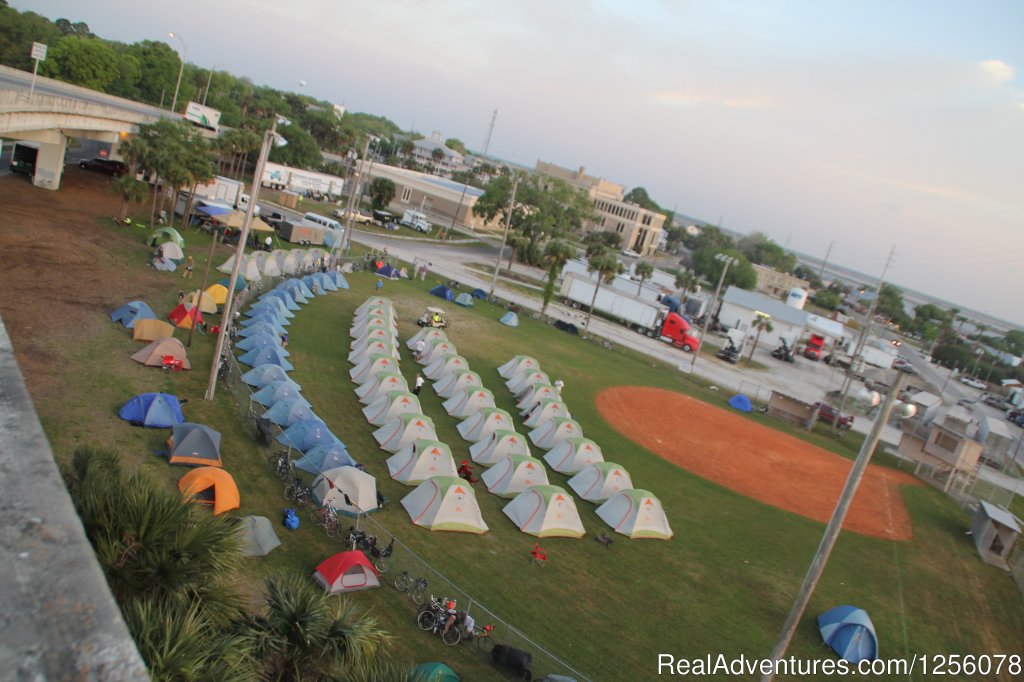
(403, 558)
(1017, 569)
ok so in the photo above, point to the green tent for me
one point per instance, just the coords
(165, 234)
(433, 672)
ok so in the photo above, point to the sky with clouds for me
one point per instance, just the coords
(867, 124)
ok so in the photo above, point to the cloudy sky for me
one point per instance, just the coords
(870, 124)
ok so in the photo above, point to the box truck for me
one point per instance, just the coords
(202, 116)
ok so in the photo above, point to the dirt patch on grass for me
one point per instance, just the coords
(756, 461)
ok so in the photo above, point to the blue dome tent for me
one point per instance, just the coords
(266, 356)
(277, 390)
(130, 313)
(288, 411)
(339, 279)
(479, 293)
(441, 291)
(510, 319)
(740, 402)
(388, 271)
(307, 434)
(324, 458)
(464, 299)
(264, 340)
(240, 283)
(261, 375)
(155, 410)
(850, 633)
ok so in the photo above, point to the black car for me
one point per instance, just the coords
(567, 327)
(107, 166)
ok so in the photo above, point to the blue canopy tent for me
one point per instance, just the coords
(261, 375)
(740, 402)
(324, 458)
(277, 390)
(263, 341)
(155, 410)
(441, 291)
(388, 271)
(465, 300)
(266, 356)
(287, 411)
(510, 319)
(130, 313)
(479, 293)
(307, 434)
(850, 633)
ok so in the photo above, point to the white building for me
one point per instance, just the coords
(740, 309)
(449, 162)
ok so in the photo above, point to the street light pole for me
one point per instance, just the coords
(352, 207)
(835, 524)
(228, 318)
(727, 261)
(209, 80)
(504, 237)
(181, 69)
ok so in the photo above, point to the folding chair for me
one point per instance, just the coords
(539, 556)
(172, 363)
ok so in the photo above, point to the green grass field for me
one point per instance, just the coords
(724, 583)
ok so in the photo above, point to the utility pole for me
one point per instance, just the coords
(490, 131)
(835, 524)
(726, 261)
(199, 294)
(227, 317)
(504, 237)
(821, 272)
(868, 320)
(350, 210)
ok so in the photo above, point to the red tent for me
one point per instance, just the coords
(185, 315)
(346, 572)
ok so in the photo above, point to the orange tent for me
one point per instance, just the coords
(212, 486)
(151, 330)
(184, 314)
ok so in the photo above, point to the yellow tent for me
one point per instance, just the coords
(206, 302)
(151, 330)
(218, 292)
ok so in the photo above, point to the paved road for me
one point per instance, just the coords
(13, 79)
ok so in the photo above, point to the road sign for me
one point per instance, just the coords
(39, 51)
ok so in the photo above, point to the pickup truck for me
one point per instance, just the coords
(357, 216)
(829, 414)
(277, 220)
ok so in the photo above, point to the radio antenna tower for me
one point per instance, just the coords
(490, 131)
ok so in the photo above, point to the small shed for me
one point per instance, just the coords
(791, 410)
(995, 531)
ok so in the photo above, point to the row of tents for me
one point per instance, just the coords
(279, 263)
(465, 299)
(630, 511)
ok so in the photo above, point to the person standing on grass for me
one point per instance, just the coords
(559, 384)
(418, 385)
(421, 346)
(188, 268)
(380, 285)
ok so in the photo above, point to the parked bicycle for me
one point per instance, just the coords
(281, 464)
(327, 517)
(416, 589)
(297, 492)
(382, 557)
(484, 638)
(441, 618)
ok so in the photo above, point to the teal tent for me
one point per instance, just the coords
(240, 283)
(510, 319)
(464, 299)
(433, 672)
(850, 633)
(165, 234)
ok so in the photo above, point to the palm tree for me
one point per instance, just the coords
(133, 150)
(304, 635)
(688, 281)
(762, 323)
(643, 272)
(437, 156)
(606, 265)
(556, 254)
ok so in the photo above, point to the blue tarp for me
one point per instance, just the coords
(441, 291)
(130, 313)
(389, 272)
(510, 319)
(479, 293)
(211, 209)
(850, 633)
(325, 457)
(464, 300)
(287, 411)
(267, 355)
(277, 390)
(261, 375)
(156, 410)
(306, 435)
(740, 402)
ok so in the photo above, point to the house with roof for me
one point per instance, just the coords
(998, 439)
(439, 198)
(740, 309)
(995, 532)
(944, 445)
(449, 161)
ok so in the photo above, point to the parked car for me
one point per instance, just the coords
(973, 383)
(904, 366)
(107, 166)
(967, 403)
(357, 216)
(996, 401)
(828, 414)
(1016, 416)
(567, 327)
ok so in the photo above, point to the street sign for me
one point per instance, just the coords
(39, 51)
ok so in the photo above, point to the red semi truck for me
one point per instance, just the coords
(651, 319)
(814, 347)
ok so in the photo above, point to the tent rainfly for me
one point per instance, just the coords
(346, 572)
(554, 431)
(261, 375)
(517, 365)
(185, 315)
(373, 347)
(445, 365)
(537, 393)
(276, 391)
(287, 411)
(132, 312)
(429, 335)
(573, 455)
(271, 355)
(258, 536)
(509, 319)
(499, 445)
(380, 385)
(468, 401)
(193, 445)
(521, 384)
(369, 336)
(437, 349)
(420, 460)
(263, 340)
(600, 480)
(441, 291)
(386, 407)
(324, 458)
(151, 330)
(544, 411)
(445, 503)
(457, 381)
(306, 435)
(403, 430)
(154, 353)
(465, 300)
(483, 423)
(371, 365)
(636, 514)
(155, 410)
(546, 511)
(513, 475)
(206, 303)
(211, 486)
(348, 490)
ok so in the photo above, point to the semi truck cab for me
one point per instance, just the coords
(678, 332)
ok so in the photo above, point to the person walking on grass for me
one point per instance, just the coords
(188, 268)
(380, 285)
(418, 385)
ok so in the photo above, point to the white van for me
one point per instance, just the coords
(322, 221)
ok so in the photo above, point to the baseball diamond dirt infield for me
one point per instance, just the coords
(756, 461)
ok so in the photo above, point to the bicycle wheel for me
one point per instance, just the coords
(425, 620)
(333, 527)
(316, 515)
(289, 492)
(402, 582)
(452, 637)
(485, 643)
(419, 594)
(383, 564)
(272, 462)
